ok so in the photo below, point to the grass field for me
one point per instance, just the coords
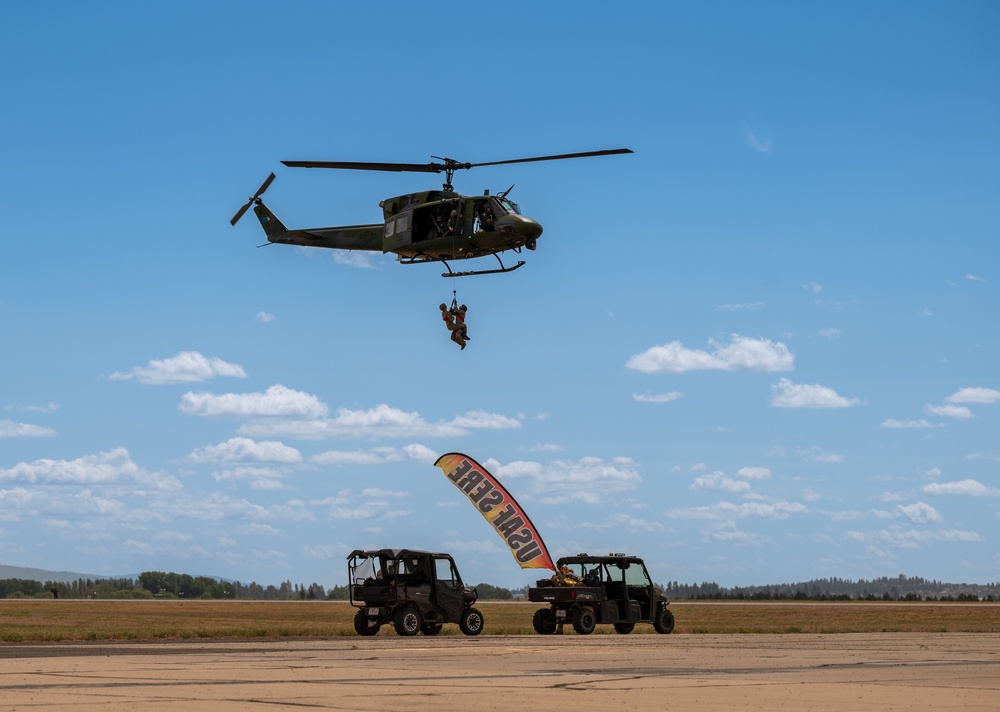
(34, 620)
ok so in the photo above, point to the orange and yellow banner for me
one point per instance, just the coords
(498, 508)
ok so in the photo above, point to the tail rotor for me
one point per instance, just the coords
(254, 199)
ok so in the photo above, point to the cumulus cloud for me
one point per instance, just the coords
(375, 456)
(975, 278)
(785, 394)
(894, 424)
(813, 287)
(382, 421)
(974, 395)
(185, 367)
(959, 412)
(754, 473)
(111, 467)
(11, 429)
(727, 510)
(264, 317)
(718, 482)
(484, 420)
(358, 260)
(969, 488)
(918, 513)
(912, 538)
(742, 353)
(656, 397)
(260, 478)
(247, 450)
(276, 401)
(587, 480)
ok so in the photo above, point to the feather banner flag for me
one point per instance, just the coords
(498, 508)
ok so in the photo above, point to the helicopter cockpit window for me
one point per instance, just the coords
(508, 206)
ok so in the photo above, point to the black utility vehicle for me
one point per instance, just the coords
(416, 591)
(587, 590)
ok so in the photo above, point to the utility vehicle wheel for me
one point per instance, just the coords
(407, 621)
(471, 622)
(663, 621)
(584, 621)
(431, 628)
(363, 625)
(624, 628)
(544, 621)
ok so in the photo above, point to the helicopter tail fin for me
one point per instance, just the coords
(273, 227)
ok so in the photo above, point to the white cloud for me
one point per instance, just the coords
(47, 408)
(741, 353)
(246, 450)
(751, 306)
(111, 467)
(382, 421)
(969, 488)
(913, 539)
(926, 312)
(975, 278)
(484, 420)
(264, 317)
(760, 144)
(728, 510)
(260, 478)
(587, 480)
(359, 260)
(754, 473)
(718, 482)
(785, 394)
(918, 513)
(185, 367)
(830, 332)
(894, 424)
(974, 395)
(276, 401)
(959, 412)
(656, 397)
(10, 429)
(813, 287)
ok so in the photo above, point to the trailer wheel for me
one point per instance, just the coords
(584, 621)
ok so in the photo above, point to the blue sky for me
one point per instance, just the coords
(763, 348)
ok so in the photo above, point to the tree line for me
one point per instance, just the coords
(160, 584)
(886, 588)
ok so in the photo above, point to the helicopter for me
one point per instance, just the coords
(428, 226)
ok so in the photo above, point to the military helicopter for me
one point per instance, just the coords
(429, 226)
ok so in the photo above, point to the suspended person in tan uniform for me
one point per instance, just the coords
(457, 331)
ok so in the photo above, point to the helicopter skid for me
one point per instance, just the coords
(502, 269)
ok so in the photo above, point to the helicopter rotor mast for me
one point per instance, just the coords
(448, 165)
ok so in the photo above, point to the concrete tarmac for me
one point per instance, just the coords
(857, 672)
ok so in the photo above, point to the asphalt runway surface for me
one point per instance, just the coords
(857, 672)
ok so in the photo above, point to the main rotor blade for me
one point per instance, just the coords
(364, 166)
(609, 152)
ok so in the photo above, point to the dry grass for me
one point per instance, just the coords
(32, 620)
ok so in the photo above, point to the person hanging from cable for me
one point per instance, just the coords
(459, 313)
(457, 331)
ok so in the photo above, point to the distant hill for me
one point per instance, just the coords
(20, 572)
